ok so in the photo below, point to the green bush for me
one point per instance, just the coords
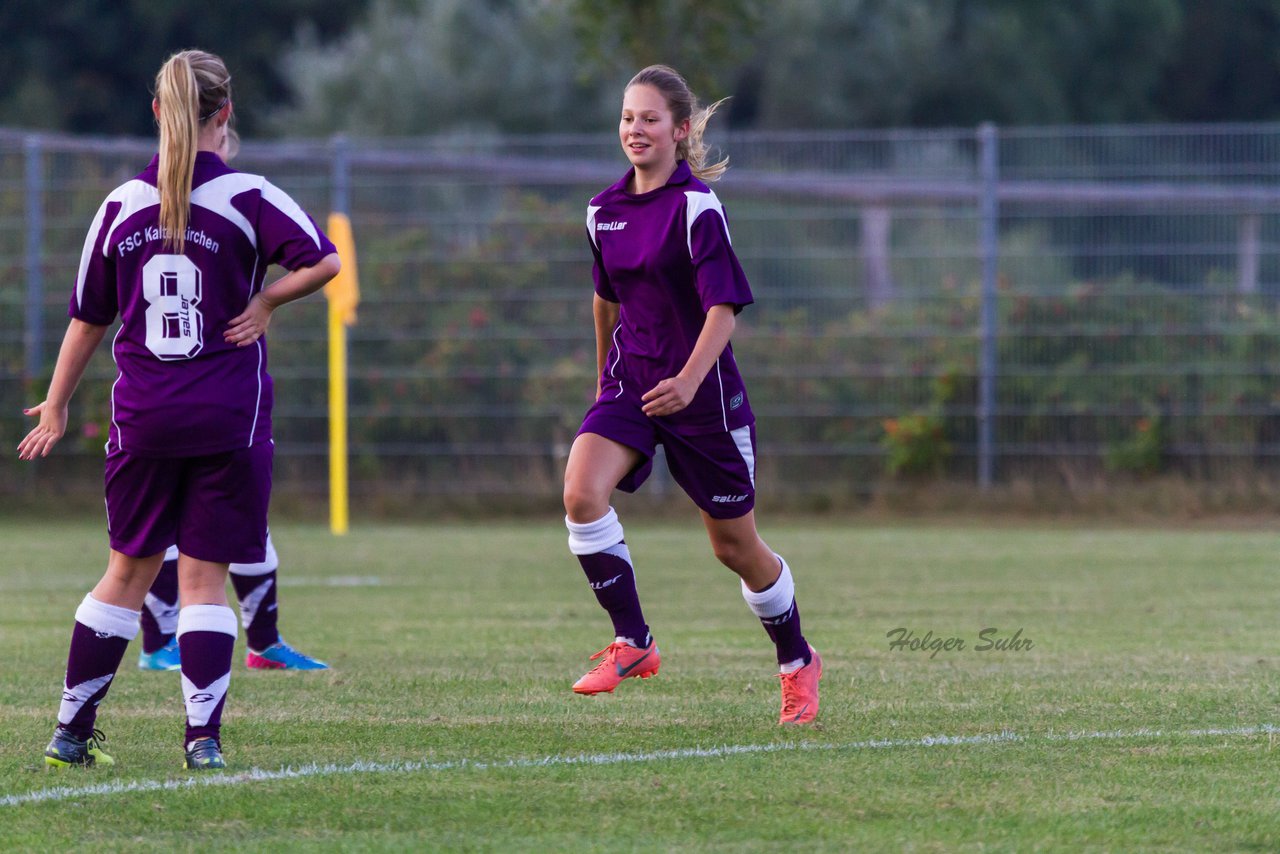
(915, 445)
(1141, 453)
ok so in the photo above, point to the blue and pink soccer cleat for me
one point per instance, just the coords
(281, 656)
(166, 657)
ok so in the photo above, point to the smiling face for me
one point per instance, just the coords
(648, 131)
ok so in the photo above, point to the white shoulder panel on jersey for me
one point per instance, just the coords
(132, 197)
(281, 201)
(697, 204)
(592, 210)
(216, 196)
(87, 252)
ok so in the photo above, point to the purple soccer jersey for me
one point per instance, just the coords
(181, 389)
(665, 257)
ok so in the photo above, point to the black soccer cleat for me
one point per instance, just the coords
(65, 750)
(204, 754)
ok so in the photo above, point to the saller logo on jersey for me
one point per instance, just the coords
(728, 499)
(735, 401)
(610, 226)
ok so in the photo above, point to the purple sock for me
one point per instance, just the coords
(776, 607)
(607, 562)
(206, 638)
(614, 583)
(784, 631)
(160, 610)
(98, 640)
(257, 595)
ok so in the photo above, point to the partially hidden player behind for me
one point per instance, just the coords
(254, 583)
(668, 288)
(255, 587)
(179, 253)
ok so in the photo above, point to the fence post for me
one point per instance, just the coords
(33, 331)
(341, 200)
(989, 213)
(876, 226)
(1248, 248)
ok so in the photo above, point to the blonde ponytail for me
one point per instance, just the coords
(191, 88)
(177, 95)
(684, 105)
(696, 151)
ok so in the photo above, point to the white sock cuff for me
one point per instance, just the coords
(269, 565)
(777, 599)
(164, 613)
(207, 618)
(587, 538)
(109, 619)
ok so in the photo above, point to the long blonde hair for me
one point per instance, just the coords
(684, 105)
(191, 88)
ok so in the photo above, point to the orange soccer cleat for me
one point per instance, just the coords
(800, 692)
(621, 661)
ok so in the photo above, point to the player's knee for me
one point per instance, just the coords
(584, 504)
(730, 552)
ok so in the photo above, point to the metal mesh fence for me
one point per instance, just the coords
(979, 306)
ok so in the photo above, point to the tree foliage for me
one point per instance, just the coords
(961, 62)
(442, 65)
(802, 64)
(429, 66)
(89, 65)
(1226, 64)
(704, 40)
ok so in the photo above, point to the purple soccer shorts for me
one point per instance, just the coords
(214, 507)
(716, 470)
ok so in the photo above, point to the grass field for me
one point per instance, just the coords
(1140, 719)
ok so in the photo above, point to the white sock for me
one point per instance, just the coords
(586, 538)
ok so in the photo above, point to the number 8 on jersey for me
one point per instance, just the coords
(171, 287)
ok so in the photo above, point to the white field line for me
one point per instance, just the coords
(331, 581)
(66, 793)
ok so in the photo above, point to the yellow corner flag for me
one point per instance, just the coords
(343, 290)
(343, 293)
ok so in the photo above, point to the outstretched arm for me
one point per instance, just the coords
(77, 348)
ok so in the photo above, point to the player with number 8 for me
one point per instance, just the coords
(180, 254)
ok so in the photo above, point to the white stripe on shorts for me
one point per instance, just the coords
(742, 438)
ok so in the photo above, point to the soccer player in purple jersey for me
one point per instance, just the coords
(668, 289)
(254, 583)
(179, 253)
